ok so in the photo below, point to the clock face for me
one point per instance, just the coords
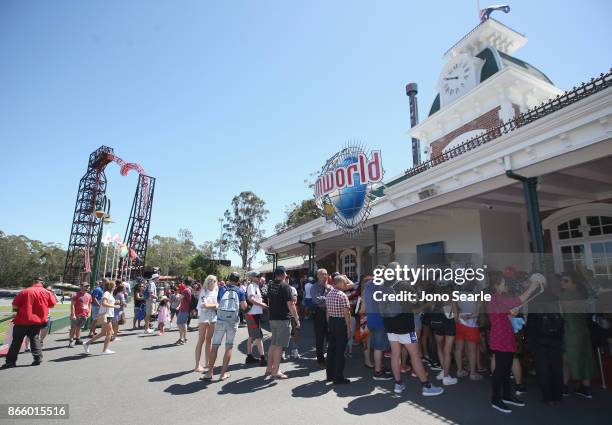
(457, 78)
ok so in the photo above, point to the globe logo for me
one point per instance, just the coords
(343, 188)
(350, 200)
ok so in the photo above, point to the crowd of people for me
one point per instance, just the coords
(507, 337)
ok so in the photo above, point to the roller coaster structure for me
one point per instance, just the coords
(85, 225)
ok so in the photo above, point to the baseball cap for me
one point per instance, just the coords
(155, 276)
(280, 270)
(234, 277)
(252, 273)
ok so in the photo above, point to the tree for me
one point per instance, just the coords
(298, 214)
(22, 259)
(201, 266)
(170, 254)
(242, 226)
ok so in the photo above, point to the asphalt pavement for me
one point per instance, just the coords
(151, 381)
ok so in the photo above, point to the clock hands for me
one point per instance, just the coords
(451, 78)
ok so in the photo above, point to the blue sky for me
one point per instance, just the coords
(213, 98)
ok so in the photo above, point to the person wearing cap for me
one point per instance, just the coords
(80, 306)
(282, 308)
(32, 307)
(231, 299)
(253, 319)
(338, 315)
(150, 297)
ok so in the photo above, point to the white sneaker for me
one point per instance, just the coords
(86, 347)
(295, 353)
(116, 339)
(148, 331)
(107, 351)
(440, 375)
(399, 388)
(449, 380)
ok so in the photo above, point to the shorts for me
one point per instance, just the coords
(254, 325)
(118, 315)
(442, 326)
(94, 311)
(379, 340)
(149, 307)
(224, 328)
(207, 316)
(307, 302)
(467, 333)
(182, 318)
(281, 332)
(425, 319)
(78, 323)
(409, 338)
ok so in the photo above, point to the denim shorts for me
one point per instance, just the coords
(225, 328)
(207, 316)
(182, 317)
(379, 340)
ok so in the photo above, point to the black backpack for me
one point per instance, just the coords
(551, 324)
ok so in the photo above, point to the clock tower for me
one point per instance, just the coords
(480, 86)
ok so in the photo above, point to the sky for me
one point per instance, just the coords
(217, 97)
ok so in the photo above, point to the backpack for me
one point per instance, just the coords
(229, 306)
(551, 324)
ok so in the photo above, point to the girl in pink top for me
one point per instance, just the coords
(163, 315)
(501, 339)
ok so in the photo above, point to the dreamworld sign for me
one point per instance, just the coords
(343, 189)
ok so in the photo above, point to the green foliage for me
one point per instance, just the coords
(22, 259)
(298, 214)
(242, 226)
(201, 266)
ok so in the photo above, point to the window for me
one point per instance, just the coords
(572, 256)
(570, 229)
(602, 258)
(582, 236)
(599, 225)
(348, 265)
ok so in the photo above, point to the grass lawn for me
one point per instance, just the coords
(59, 310)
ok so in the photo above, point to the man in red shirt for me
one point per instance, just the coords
(79, 312)
(32, 307)
(183, 313)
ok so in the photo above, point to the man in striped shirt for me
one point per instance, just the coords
(339, 324)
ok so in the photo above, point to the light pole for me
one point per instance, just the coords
(220, 237)
(104, 217)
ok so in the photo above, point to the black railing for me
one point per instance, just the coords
(546, 108)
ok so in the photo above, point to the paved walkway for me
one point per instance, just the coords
(150, 381)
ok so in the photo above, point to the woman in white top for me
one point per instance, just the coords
(207, 318)
(107, 309)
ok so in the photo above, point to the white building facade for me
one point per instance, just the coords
(506, 151)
